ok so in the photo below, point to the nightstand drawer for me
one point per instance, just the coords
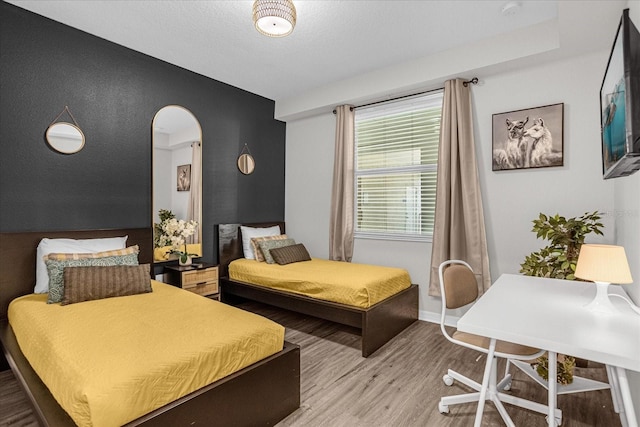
(199, 277)
(205, 288)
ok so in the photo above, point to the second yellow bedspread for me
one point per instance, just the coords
(357, 285)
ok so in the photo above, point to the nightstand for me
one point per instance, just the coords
(201, 278)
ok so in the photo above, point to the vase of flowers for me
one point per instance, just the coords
(174, 232)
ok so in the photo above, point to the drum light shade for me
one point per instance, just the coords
(603, 264)
(274, 18)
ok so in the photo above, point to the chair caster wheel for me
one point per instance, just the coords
(444, 409)
(557, 422)
(448, 380)
(505, 383)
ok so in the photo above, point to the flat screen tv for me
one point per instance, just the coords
(620, 103)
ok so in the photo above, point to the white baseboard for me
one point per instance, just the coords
(430, 316)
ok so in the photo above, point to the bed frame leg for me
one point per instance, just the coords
(386, 320)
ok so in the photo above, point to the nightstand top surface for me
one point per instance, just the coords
(194, 266)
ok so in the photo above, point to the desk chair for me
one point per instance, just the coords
(459, 287)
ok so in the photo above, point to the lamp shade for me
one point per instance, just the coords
(274, 18)
(603, 263)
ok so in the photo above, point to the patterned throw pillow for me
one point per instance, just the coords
(267, 245)
(255, 244)
(290, 254)
(48, 246)
(56, 268)
(98, 282)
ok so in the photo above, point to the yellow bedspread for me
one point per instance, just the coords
(110, 361)
(357, 285)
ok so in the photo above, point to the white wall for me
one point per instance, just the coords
(161, 176)
(627, 206)
(308, 174)
(627, 213)
(512, 199)
(165, 193)
(179, 199)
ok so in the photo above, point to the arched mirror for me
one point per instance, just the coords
(177, 183)
(65, 138)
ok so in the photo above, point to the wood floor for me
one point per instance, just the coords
(399, 385)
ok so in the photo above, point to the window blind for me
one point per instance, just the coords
(395, 167)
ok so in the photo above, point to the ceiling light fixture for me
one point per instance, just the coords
(274, 18)
(511, 8)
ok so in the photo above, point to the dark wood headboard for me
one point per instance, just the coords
(229, 239)
(18, 256)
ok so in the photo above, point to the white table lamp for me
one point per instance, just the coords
(603, 264)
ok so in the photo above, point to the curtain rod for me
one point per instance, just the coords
(465, 83)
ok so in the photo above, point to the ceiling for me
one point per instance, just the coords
(332, 41)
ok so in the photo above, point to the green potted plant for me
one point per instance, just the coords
(558, 260)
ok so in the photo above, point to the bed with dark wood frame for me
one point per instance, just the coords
(261, 394)
(378, 324)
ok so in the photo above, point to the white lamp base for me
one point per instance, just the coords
(601, 303)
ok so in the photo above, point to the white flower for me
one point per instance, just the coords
(176, 231)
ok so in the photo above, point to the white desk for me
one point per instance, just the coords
(549, 314)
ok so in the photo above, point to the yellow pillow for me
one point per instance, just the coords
(61, 256)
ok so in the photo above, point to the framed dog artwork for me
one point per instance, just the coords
(529, 138)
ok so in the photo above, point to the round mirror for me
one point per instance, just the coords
(246, 164)
(65, 138)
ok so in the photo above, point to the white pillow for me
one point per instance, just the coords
(249, 233)
(69, 246)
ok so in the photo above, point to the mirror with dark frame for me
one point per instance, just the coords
(177, 183)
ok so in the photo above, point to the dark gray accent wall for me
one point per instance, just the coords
(114, 92)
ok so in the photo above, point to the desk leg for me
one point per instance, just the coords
(627, 403)
(485, 382)
(615, 391)
(553, 385)
(616, 397)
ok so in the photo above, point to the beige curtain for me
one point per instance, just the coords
(341, 221)
(193, 210)
(459, 231)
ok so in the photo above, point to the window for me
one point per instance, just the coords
(395, 167)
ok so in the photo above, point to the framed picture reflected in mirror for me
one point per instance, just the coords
(184, 177)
